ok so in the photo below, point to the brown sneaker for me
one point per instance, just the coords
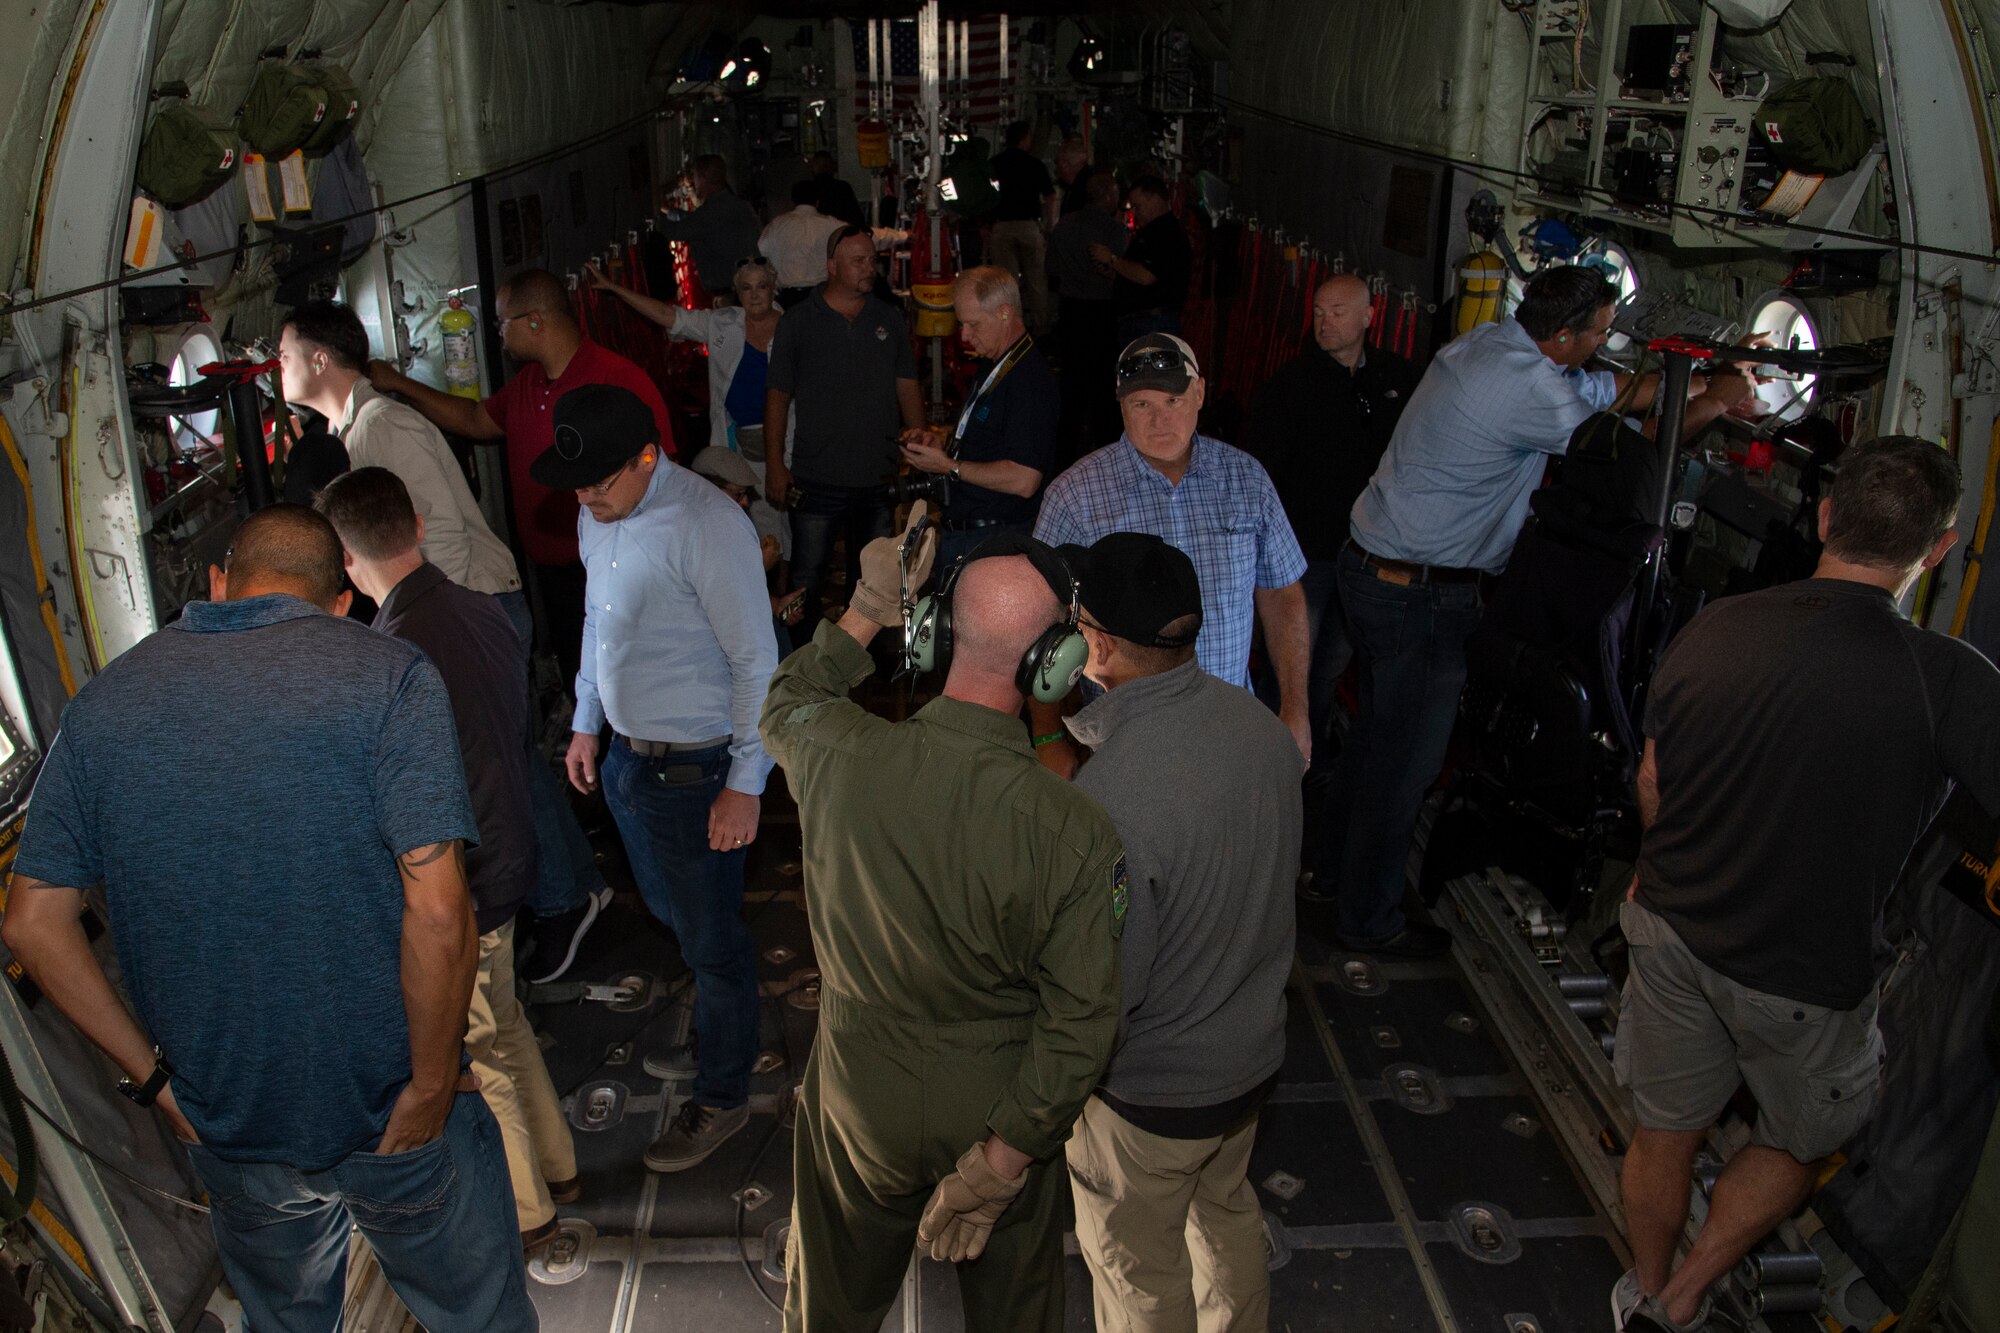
(695, 1132)
(565, 1191)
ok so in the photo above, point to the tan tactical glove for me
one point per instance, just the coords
(878, 595)
(961, 1214)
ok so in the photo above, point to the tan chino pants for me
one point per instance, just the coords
(1170, 1228)
(515, 1082)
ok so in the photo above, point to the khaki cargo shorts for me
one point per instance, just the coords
(1687, 1034)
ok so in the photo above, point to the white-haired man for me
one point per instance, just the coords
(1003, 446)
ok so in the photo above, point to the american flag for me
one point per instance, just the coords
(981, 97)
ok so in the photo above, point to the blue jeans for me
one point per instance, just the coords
(1332, 650)
(1411, 644)
(861, 512)
(565, 866)
(661, 804)
(440, 1218)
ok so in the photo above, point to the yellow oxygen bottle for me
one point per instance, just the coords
(1482, 290)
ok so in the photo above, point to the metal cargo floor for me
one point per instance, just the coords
(1396, 1109)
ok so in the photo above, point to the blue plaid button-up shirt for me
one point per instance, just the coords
(1224, 513)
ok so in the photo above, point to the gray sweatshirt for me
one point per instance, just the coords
(1203, 783)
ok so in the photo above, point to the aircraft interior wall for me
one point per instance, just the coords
(531, 132)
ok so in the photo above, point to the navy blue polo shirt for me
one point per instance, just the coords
(241, 783)
(1013, 422)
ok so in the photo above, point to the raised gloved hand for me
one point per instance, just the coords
(878, 595)
(966, 1204)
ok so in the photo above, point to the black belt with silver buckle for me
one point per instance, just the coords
(973, 524)
(1408, 573)
(654, 749)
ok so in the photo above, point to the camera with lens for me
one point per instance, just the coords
(932, 486)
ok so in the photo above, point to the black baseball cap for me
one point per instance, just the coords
(1134, 585)
(1156, 361)
(599, 429)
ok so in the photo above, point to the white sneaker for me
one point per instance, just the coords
(1624, 1299)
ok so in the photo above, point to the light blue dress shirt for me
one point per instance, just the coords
(1470, 449)
(677, 639)
(1224, 513)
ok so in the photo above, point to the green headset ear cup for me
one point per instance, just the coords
(1060, 658)
(928, 630)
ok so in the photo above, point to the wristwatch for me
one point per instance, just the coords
(145, 1094)
(954, 473)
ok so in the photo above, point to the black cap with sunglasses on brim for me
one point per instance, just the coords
(1133, 585)
(1156, 361)
(599, 429)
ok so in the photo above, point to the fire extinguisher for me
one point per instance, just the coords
(931, 273)
(461, 350)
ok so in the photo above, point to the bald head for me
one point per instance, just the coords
(536, 291)
(1341, 312)
(285, 548)
(999, 607)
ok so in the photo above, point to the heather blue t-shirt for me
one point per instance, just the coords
(241, 783)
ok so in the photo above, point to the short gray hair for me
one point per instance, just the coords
(991, 286)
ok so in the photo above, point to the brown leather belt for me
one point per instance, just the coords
(654, 749)
(1407, 574)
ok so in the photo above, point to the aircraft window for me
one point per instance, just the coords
(16, 755)
(197, 428)
(1618, 265)
(1788, 325)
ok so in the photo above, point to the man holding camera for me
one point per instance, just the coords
(1003, 447)
(843, 360)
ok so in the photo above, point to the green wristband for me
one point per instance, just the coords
(1050, 739)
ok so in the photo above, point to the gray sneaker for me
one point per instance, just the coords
(695, 1132)
(674, 1063)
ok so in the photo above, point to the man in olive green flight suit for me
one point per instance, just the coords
(965, 907)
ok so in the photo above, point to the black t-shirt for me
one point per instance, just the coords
(1024, 182)
(1320, 430)
(842, 376)
(1806, 735)
(1014, 423)
(469, 638)
(1162, 246)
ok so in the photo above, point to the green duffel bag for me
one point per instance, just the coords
(184, 155)
(286, 107)
(343, 105)
(1815, 126)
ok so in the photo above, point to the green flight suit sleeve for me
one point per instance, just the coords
(1077, 1021)
(808, 700)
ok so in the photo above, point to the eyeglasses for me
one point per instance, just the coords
(1154, 361)
(603, 488)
